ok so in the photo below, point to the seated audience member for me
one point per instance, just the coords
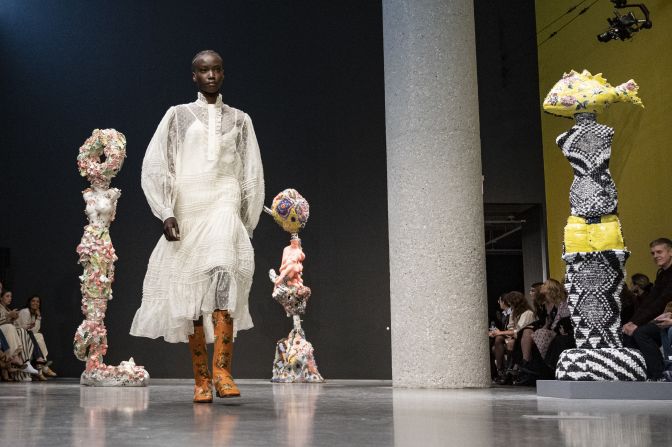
(534, 300)
(18, 340)
(505, 313)
(628, 304)
(641, 332)
(498, 359)
(521, 316)
(12, 365)
(641, 285)
(633, 297)
(30, 319)
(7, 366)
(664, 322)
(9, 361)
(542, 343)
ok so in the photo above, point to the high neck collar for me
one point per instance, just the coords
(203, 101)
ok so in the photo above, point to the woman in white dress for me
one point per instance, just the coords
(203, 170)
(30, 319)
(20, 344)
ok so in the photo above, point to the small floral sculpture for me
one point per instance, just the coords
(97, 257)
(587, 93)
(294, 359)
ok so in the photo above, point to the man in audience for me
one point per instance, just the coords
(641, 332)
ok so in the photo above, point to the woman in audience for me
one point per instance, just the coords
(10, 362)
(521, 317)
(542, 343)
(12, 367)
(20, 344)
(498, 342)
(30, 319)
(537, 299)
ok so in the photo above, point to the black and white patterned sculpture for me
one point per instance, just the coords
(594, 251)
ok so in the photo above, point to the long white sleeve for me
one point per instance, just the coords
(158, 168)
(252, 200)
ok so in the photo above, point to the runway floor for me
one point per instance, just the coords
(337, 413)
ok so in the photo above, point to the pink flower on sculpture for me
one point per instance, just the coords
(568, 100)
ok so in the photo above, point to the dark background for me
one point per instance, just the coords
(310, 74)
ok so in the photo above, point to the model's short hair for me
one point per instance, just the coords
(641, 280)
(661, 241)
(203, 53)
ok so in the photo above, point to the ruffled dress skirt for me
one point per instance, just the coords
(210, 268)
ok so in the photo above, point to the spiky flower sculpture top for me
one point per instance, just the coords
(586, 93)
(97, 257)
(294, 359)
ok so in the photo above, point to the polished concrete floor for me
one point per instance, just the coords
(338, 413)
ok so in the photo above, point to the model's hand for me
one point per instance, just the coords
(13, 314)
(171, 230)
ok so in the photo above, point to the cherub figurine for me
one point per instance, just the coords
(290, 210)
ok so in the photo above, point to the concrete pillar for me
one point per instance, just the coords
(437, 253)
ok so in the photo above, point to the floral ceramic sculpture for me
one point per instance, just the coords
(97, 256)
(294, 357)
(593, 249)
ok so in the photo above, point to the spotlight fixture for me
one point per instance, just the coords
(623, 26)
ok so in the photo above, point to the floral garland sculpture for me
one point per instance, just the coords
(96, 255)
(593, 250)
(294, 358)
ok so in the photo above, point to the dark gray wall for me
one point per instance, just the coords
(509, 103)
(310, 76)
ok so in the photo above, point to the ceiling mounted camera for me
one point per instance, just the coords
(623, 26)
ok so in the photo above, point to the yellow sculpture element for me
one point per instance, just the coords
(581, 237)
(587, 93)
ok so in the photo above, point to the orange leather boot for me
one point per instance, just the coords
(221, 360)
(199, 362)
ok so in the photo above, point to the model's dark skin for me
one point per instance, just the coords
(208, 75)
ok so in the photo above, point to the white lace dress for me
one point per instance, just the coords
(204, 168)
